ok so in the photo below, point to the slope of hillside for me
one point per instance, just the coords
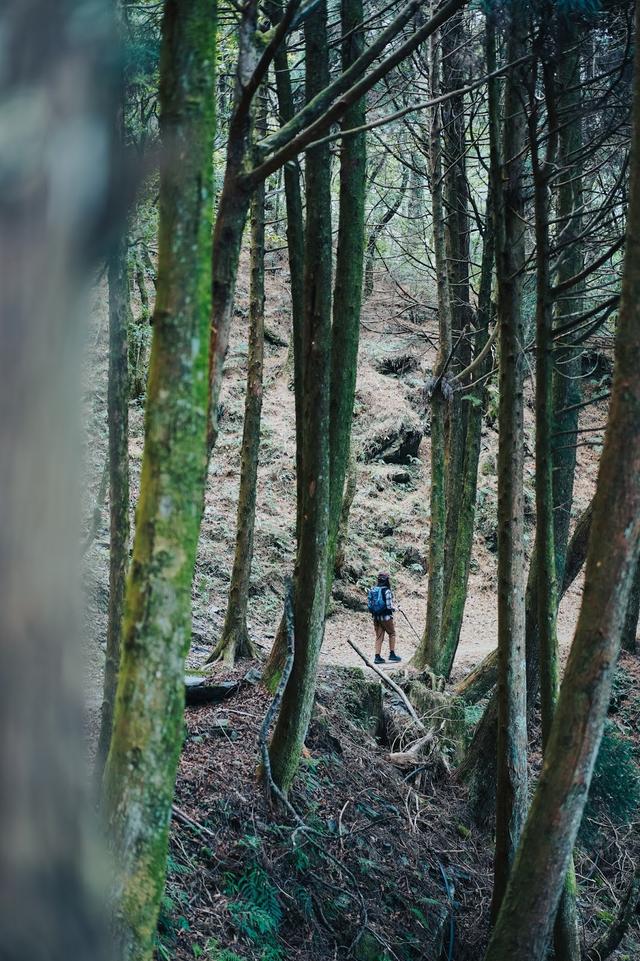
(389, 521)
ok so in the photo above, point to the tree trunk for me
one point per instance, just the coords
(456, 226)
(458, 580)
(148, 722)
(377, 230)
(347, 500)
(347, 294)
(629, 634)
(118, 420)
(507, 164)
(427, 652)
(311, 567)
(295, 229)
(567, 943)
(523, 929)
(235, 641)
(56, 90)
(295, 247)
(479, 681)
(479, 765)
(231, 216)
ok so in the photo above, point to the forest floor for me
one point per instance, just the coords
(386, 852)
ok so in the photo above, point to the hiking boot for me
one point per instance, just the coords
(379, 660)
(394, 657)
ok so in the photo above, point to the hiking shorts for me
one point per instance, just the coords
(385, 627)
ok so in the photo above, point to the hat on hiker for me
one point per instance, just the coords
(383, 578)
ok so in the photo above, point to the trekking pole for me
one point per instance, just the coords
(410, 624)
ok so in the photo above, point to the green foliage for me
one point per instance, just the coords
(255, 906)
(615, 786)
(215, 953)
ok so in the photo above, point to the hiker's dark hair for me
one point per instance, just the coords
(383, 579)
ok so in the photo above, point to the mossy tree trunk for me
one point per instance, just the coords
(456, 593)
(507, 161)
(567, 943)
(139, 332)
(235, 641)
(148, 723)
(347, 294)
(428, 650)
(295, 235)
(350, 488)
(456, 212)
(311, 564)
(295, 248)
(524, 925)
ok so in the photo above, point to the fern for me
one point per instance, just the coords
(216, 953)
(256, 908)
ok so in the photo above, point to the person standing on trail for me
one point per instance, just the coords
(381, 607)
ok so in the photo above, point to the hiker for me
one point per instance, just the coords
(381, 607)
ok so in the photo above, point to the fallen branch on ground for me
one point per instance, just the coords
(390, 684)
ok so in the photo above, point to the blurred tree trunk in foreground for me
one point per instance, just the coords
(55, 182)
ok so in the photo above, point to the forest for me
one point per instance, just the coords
(320, 480)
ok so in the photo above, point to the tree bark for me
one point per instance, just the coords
(456, 227)
(118, 420)
(118, 423)
(231, 216)
(428, 650)
(347, 501)
(148, 723)
(295, 248)
(235, 641)
(458, 580)
(311, 566)
(525, 922)
(567, 943)
(507, 164)
(347, 294)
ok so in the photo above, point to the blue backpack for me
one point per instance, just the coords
(376, 601)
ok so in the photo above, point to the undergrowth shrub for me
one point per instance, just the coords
(172, 920)
(255, 906)
(615, 786)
